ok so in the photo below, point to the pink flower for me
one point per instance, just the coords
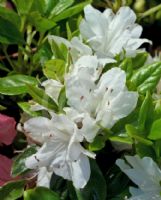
(7, 129)
(5, 169)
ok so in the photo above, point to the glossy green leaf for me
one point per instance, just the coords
(135, 134)
(144, 111)
(147, 77)
(42, 98)
(139, 60)
(71, 11)
(11, 35)
(18, 166)
(16, 84)
(40, 193)
(59, 51)
(60, 7)
(12, 190)
(93, 190)
(55, 69)
(26, 107)
(98, 143)
(42, 24)
(155, 132)
(126, 65)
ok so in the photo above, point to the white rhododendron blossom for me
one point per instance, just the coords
(108, 34)
(107, 101)
(145, 174)
(61, 151)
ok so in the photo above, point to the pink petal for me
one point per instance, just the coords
(7, 129)
(5, 169)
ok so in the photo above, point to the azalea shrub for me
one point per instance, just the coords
(80, 101)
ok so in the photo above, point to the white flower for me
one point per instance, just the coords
(145, 174)
(44, 177)
(107, 101)
(108, 34)
(61, 151)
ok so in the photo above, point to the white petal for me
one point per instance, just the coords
(112, 82)
(52, 88)
(39, 128)
(123, 104)
(59, 40)
(80, 172)
(89, 128)
(44, 177)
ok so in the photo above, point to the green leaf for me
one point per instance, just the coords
(147, 77)
(62, 100)
(23, 6)
(139, 60)
(26, 107)
(98, 143)
(60, 7)
(9, 33)
(39, 5)
(135, 134)
(155, 132)
(16, 84)
(11, 16)
(93, 190)
(55, 69)
(18, 166)
(71, 11)
(59, 51)
(40, 193)
(42, 24)
(145, 151)
(2, 108)
(126, 65)
(144, 110)
(42, 98)
(113, 178)
(12, 190)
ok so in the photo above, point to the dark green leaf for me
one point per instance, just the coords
(144, 111)
(155, 132)
(93, 190)
(11, 16)
(139, 60)
(42, 98)
(15, 84)
(147, 77)
(12, 190)
(40, 193)
(11, 35)
(18, 166)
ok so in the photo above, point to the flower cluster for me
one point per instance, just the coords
(97, 96)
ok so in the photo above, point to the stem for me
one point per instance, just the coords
(8, 59)
(150, 11)
(79, 195)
